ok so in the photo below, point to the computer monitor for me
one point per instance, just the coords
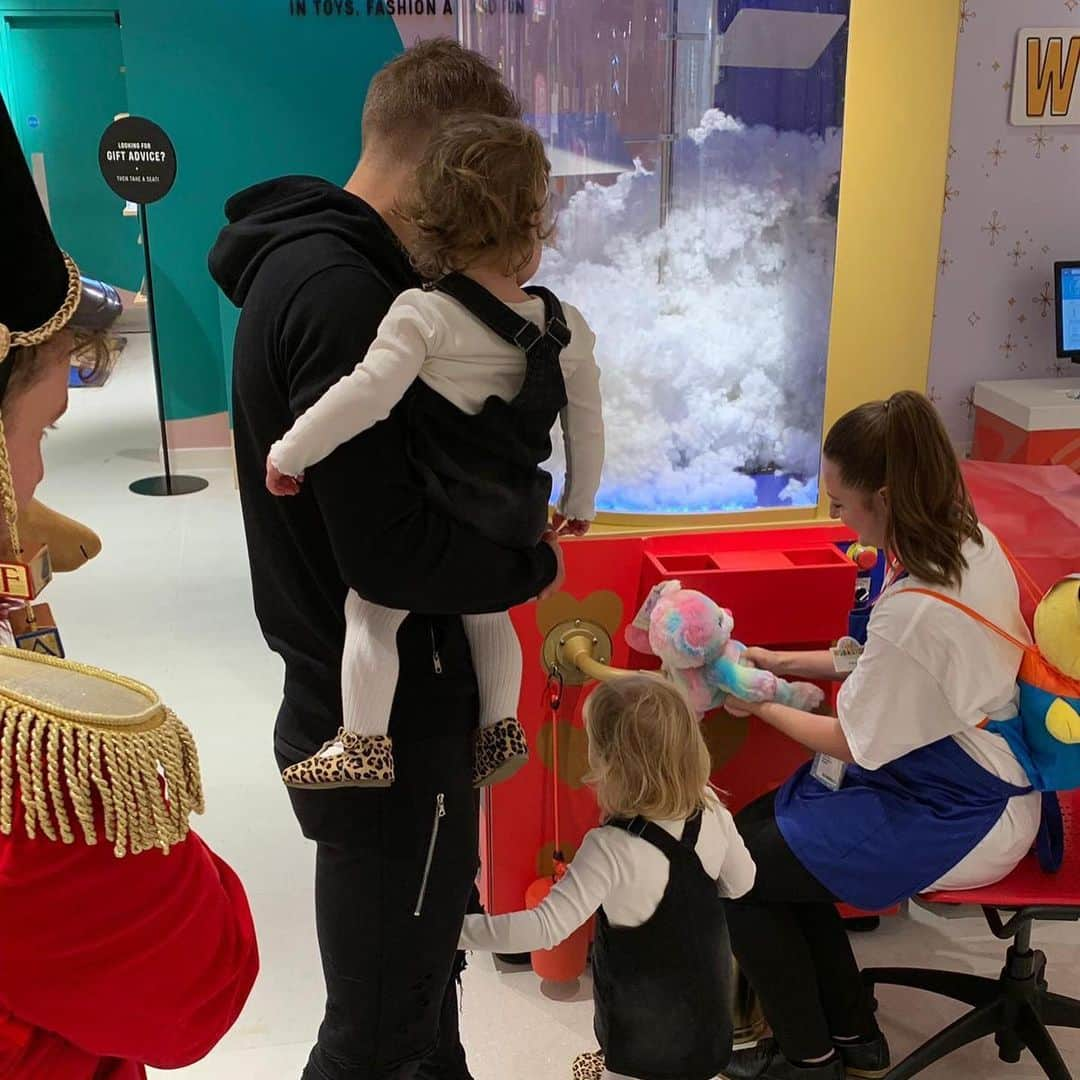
(1067, 307)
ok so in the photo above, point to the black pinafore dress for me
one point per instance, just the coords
(485, 469)
(660, 990)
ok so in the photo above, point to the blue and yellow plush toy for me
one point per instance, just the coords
(1045, 736)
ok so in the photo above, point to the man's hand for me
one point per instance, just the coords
(564, 526)
(277, 483)
(551, 538)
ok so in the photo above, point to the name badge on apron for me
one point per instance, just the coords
(829, 771)
(845, 655)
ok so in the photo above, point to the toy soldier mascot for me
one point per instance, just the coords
(124, 941)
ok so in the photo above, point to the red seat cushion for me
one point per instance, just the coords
(1027, 885)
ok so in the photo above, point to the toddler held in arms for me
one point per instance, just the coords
(484, 368)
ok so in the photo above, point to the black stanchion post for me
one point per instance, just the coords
(138, 162)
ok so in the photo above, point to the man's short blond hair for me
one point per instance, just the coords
(413, 92)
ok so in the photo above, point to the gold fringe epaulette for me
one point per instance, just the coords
(133, 776)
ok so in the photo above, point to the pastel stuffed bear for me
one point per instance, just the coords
(691, 635)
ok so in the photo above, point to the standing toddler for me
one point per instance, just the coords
(655, 872)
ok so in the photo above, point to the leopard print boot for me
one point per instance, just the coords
(588, 1067)
(501, 749)
(350, 760)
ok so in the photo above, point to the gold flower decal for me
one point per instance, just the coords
(573, 752)
(724, 736)
(603, 607)
(545, 862)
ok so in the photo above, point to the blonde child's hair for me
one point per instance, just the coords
(647, 755)
(481, 191)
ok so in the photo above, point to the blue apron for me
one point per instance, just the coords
(890, 833)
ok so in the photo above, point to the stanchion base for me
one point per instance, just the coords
(175, 485)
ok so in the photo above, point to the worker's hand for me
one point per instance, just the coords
(737, 707)
(551, 538)
(565, 526)
(277, 483)
(765, 659)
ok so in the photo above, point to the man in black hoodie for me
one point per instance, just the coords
(314, 268)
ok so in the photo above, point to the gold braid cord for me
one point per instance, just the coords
(13, 339)
(76, 775)
(8, 506)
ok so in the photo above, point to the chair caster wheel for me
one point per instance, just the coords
(863, 925)
(516, 959)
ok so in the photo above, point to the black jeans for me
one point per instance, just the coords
(388, 938)
(791, 943)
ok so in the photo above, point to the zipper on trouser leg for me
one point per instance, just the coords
(440, 813)
(436, 659)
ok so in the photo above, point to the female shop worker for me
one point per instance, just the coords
(908, 792)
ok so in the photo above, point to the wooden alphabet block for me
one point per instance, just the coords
(25, 580)
(35, 630)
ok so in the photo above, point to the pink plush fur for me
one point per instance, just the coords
(691, 635)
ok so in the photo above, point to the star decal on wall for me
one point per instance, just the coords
(1008, 347)
(1040, 140)
(994, 228)
(945, 260)
(967, 13)
(1016, 254)
(933, 395)
(1071, 5)
(969, 403)
(973, 319)
(1045, 299)
(996, 153)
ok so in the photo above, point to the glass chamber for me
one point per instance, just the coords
(695, 152)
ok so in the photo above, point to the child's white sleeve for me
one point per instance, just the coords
(737, 872)
(582, 422)
(366, 395)
(586, 885)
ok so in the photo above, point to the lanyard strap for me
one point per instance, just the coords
(981, 619)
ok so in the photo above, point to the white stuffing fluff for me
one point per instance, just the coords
(716, 372)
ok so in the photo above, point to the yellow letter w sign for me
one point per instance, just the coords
(1046, 87)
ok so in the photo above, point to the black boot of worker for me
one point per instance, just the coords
(867, 1060)
(766, 1062)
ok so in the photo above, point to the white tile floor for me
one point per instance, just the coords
(168, 602)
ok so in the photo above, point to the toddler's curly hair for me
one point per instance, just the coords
(481, 190)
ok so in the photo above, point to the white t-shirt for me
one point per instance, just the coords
(930, 671)
(430, 336)
(622, 873)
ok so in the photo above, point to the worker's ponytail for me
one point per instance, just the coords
(900, 446)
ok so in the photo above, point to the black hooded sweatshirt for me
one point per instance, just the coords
(314, 270)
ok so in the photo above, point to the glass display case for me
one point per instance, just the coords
(695, 151)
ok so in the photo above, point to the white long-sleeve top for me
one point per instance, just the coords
(623, 874)
(430, 336)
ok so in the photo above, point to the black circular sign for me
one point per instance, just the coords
(137, 160)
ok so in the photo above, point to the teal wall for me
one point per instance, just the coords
(246, 92)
